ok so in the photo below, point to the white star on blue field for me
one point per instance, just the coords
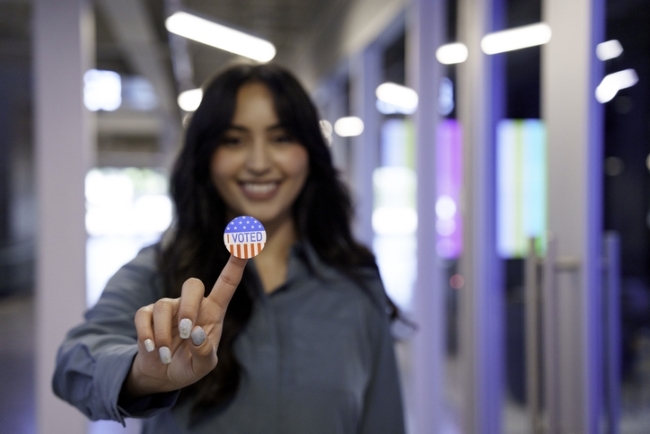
(244, 224)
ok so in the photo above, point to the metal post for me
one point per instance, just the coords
(532, 338)
(550, 314)
(613, 333)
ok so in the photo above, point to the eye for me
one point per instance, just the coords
(229, 140)
(283, 137)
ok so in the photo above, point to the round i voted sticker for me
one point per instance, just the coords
(244, 237)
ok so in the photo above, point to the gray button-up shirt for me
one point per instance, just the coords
(317, 357)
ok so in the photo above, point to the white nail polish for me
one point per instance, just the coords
(198, 336)
(148, 345)
(184, 328)
(165, 355)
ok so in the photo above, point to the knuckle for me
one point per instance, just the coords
(142, 314)
(144, 310)
(193, 284)
(229, 280)
(164, 304)
(193, 281)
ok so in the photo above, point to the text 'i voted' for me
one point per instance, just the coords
(244, 237)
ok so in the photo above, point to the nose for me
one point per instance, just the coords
(258, 160)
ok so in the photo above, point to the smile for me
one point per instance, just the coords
(259, 190)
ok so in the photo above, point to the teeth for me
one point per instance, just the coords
(258, 188)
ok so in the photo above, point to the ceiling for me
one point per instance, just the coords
(311, 38)
(132, 40)
(285, 23)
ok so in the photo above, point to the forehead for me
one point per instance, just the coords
(254, 106)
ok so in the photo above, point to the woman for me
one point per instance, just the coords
(303, 346)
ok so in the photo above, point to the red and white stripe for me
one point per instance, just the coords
(243, 250)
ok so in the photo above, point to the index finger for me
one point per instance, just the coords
(228, 280)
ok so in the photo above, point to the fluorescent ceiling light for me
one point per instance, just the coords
(612, 83)
(450, 54)
(516, 38)
(609, 50)
(102, 90)
(218, 36)
(349, 126)
(405, 98)
(190, 99)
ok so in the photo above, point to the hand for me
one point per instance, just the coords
(178, 338)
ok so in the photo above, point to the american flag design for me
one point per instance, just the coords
(244, 237)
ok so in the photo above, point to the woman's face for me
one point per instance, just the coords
(258, 168)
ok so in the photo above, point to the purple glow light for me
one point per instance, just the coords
(449, 180)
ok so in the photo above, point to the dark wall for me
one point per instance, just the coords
(17, 194)
(627, 137)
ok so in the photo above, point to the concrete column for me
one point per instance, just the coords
(364, 78)
(63, 44)
(481, 300)
(570, 74)
(426, 32)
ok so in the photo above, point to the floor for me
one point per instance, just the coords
(17, 414)
(17, 401)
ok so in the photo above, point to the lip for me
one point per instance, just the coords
(256, 190)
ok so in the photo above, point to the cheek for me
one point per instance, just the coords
(297, 164)
(220, 168)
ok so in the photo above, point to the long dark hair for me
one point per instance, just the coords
(322, 211)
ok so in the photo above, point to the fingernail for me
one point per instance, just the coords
(165, 355)
(184, 328)
(148, 345)
(198, 336)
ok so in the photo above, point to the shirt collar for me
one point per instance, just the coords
(304, 264)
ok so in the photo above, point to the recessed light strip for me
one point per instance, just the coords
(218, 36)
(612, 83)
(350, 126)
(402, 97)
(609, 50)
(516, 38)
(190, 99)
(450, 54)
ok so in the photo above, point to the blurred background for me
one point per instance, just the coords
(498, 152)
